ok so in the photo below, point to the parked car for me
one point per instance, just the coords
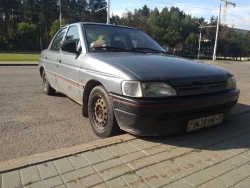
(125, 80)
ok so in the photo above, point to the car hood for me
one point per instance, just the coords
(174, 70)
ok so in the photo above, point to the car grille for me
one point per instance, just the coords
(201, 89)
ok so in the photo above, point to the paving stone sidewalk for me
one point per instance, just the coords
(215, 157)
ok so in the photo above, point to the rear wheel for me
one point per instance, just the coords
(101, 113)
(46, 86)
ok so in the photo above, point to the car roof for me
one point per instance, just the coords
(94, 23)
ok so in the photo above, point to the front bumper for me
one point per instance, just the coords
(167, 116)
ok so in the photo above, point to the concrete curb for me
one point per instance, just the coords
(13, 164)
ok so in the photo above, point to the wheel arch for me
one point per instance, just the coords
(41, 71)
(87, 89)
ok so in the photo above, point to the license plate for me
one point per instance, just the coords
(204, 122)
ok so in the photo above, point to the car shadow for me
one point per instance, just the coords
(240, 109)
(234, 133)
(58, 94)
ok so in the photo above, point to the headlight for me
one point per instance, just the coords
(157, 89)
(147, 89)
(131, 88)
(231, 83)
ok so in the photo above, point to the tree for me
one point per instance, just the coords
(56, 26)
(101, 15)
(246, 44)
(81, 11)
(28, 32)
(137, 19)
(170, 27)
(223, 43)
(191, 41)
(115, 19)
(236, 44)
(157, 27)
(145, 11)
(166, 26)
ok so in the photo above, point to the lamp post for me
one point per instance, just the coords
(108, 13)
(216, 38)
(60, 17)
(202, 26)
(199, 41)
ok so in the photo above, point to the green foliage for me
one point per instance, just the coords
(191, 41)
(179, 32)
(115, 19)
(246, 44)
(101, 15)
(27, 30)
(137, 19)
(31, 24)
(145, 11)
(27, 34)
(56, 26)
(166, 26)
(235, 44)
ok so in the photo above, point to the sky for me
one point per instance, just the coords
(196, 8)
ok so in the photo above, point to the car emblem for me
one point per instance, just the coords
(205, 88)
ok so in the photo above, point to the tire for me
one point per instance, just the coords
(46, 86)
(101, 115)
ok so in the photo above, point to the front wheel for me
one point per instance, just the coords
(46, 86)
(101, 113)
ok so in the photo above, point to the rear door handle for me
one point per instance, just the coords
(58, 62)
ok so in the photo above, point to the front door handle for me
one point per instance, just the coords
(58, 62)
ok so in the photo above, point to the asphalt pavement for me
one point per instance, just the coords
(32, 122)
(214, 157)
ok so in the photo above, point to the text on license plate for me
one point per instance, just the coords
(204, 122)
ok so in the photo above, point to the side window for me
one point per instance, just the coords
(73, 35)
(56, 45)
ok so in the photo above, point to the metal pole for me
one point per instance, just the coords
(108, 13)
(199, 44)
(60, 15)
(216, 38)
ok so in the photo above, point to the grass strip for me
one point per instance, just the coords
(19, 57)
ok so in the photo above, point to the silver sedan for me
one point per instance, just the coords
(125, 80)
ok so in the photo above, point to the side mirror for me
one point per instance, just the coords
(69, 46)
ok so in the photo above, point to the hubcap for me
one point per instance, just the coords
(45, 82)
(100, 114)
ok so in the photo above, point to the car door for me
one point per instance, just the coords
(52, 58)
(68, 67)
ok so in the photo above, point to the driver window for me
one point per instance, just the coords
(56, 45)
(73, 35)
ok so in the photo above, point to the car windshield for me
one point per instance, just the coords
(115, 38)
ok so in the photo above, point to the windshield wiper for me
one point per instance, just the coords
(147, 50)
(109, 48)
(140, 50)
